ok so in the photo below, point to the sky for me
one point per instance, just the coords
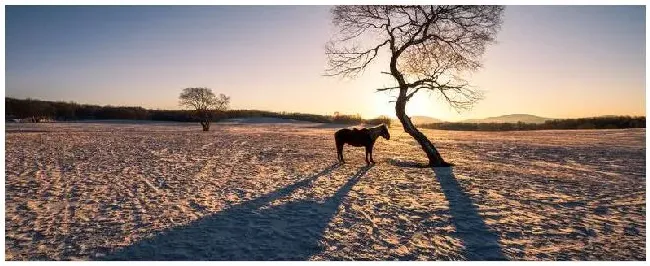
(551, 61)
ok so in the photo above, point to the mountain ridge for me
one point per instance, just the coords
(509, 118)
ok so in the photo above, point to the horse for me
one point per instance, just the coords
(364, 137)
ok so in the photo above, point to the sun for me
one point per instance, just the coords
(420, 105)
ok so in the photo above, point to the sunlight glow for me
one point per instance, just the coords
(273, 58)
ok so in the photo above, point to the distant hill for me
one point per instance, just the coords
(420, 119)
(513, 118)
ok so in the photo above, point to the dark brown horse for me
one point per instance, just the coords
(364, 137)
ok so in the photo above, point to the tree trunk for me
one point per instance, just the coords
(435, 159)
(205, 125)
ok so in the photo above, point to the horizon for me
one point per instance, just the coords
(363, 117)
(144, 56)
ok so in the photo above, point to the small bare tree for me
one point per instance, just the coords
(431, 48)
(205, 103)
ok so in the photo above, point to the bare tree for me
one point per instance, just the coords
(205, 103)
(431, 48)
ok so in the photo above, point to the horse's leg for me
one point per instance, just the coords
(367, 152)
(371, 160)
(339, 151)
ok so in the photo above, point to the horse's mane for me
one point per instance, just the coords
(376, 130)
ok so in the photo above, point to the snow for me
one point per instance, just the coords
(272, 191)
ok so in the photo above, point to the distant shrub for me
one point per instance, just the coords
(380, 120)
(346, 119)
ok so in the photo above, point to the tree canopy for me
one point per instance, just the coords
(431, 48)
(204, 102)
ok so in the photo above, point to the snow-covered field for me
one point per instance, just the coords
(272, 191)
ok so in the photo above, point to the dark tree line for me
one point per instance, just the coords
(37, 110)
(608, 122)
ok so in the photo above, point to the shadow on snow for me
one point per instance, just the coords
(480, 243)
(290, 231)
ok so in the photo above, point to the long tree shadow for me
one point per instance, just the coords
(480, 243)
(252, 230)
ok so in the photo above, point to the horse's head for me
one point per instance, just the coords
(384, 132)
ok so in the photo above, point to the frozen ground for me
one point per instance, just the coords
(271, 191)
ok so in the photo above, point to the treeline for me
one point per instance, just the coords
(606, 122)
(336, 118)
(36, 111)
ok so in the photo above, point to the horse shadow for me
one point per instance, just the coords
(253, 230)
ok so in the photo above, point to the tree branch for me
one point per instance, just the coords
(431, 47)
(350, 62)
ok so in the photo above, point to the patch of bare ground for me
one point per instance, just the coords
(246, 191)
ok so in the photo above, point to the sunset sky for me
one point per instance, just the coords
(551, 61)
